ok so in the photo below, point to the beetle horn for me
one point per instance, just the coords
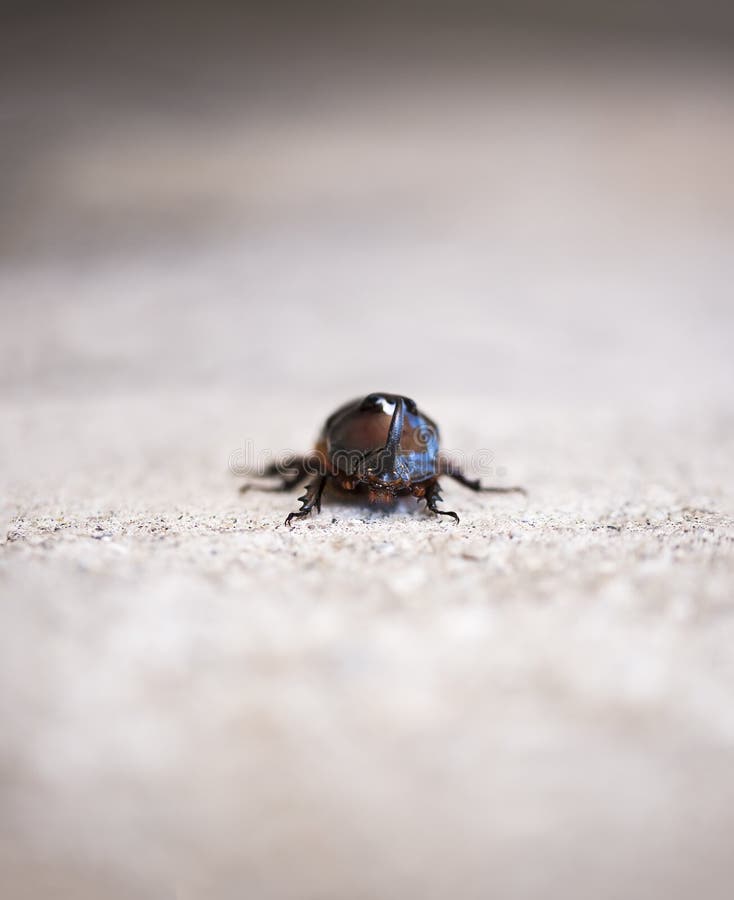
(396, 428)
(385, 466)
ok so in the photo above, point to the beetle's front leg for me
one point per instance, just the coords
(310, 499)
(446, 467)
(290, 474)
(433, 496)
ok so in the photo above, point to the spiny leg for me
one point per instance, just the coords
(433, 496)
(474, 484)
(310, 499)
(290, 474)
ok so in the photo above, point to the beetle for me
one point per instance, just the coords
(381, 446)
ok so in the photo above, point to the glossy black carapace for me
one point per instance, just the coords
(381, 446)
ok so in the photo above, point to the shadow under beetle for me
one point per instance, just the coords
(382, 447)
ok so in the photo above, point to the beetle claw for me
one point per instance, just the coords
(309, 499)
(296, 515)
(433, 496)
(448, 512)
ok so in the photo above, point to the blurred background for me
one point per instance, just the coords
(504, 199)
(220, 220)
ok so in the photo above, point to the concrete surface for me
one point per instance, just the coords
(198, 702)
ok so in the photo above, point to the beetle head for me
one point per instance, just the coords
(385, 471)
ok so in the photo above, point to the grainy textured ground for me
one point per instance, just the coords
(199, 702)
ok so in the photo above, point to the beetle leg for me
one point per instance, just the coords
(308, 500)
(295, 471)
(474, 484)
(433, 496)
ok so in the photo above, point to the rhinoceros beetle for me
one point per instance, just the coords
(381, 446)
